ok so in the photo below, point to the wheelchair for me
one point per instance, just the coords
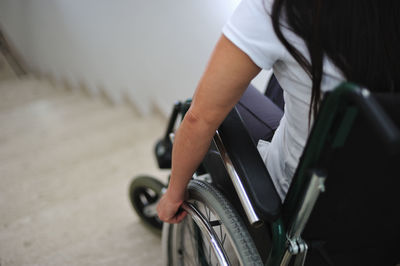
(342, 207)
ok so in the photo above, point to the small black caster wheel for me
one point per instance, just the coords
(144, 193)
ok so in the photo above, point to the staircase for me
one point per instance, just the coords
(66, 161)
(6, 72)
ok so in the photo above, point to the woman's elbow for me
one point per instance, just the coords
(203, 120)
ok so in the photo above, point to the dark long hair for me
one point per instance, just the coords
(362, 39)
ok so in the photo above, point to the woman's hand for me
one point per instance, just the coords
(169, 210)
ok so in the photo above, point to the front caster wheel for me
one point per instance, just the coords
(144, 193)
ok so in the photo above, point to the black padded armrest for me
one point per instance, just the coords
(250, 167)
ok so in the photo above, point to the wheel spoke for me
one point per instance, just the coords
(209, 254)
(143, 199)
(223, 239)
(183, 249)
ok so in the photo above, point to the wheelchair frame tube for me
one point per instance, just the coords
(171, 123)
(315, 187)
(296, 246)
(237, 183)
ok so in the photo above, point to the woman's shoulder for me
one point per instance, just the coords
(250, 28)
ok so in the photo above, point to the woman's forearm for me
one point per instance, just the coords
(226, 77)
(192, 141)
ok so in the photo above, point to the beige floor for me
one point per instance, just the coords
(66, 161)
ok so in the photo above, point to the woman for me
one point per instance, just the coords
(311, 45)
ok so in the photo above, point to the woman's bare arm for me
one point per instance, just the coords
(226, 77)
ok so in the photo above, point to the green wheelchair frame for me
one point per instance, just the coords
(334, 122)
(343, 104)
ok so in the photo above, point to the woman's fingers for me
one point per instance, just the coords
(167, 210)
(180, 215)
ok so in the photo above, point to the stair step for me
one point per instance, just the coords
(66, 161)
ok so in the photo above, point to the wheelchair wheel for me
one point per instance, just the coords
(187, 243)
(144, 193)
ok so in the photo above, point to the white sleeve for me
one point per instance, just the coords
(250, 28)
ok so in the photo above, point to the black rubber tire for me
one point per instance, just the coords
(149, 189)
(236, 232)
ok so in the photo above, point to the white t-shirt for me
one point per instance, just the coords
(250, 28)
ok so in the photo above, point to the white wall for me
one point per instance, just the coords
(13, 21)
(150, 50)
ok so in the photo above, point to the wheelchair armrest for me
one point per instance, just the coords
(250, 167)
